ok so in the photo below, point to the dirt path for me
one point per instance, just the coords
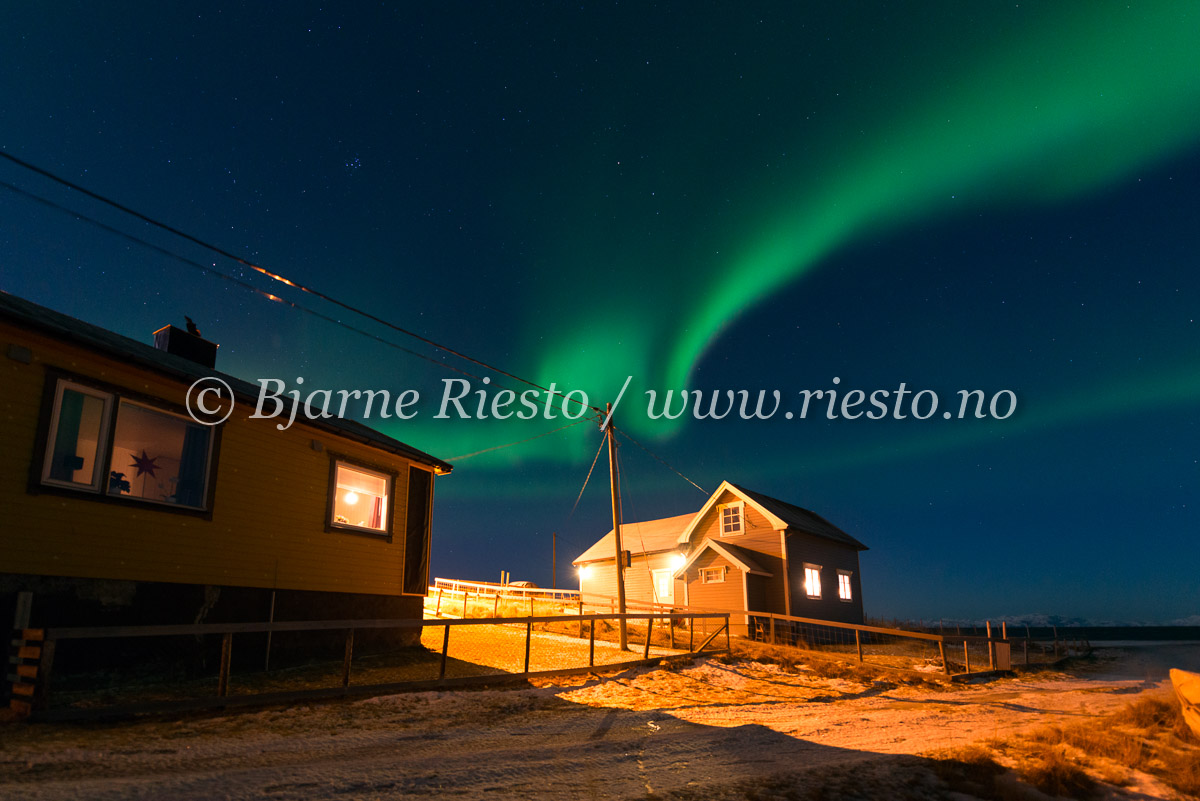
(694, 732)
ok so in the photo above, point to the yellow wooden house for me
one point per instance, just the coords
(117, 506)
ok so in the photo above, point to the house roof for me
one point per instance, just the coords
(651, 536)
(782, 515)
(70, 329)
(800, 518)
(734, 553)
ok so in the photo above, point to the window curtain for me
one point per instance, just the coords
(376, 513)
(190, 489)
(65, 461)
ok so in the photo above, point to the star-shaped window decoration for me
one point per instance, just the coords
(145, 464)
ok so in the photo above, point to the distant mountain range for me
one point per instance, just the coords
(1046, 621)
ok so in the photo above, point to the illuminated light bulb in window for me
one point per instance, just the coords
(350, 498)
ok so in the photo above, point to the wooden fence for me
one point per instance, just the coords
(952, 654)
(34, 697)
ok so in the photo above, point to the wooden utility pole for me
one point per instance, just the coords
(554, 560)
(614, 484)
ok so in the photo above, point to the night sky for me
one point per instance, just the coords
(711, 197)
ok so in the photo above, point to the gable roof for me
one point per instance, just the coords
(651, 536)
(734, 553)
(801, 519)
(780, 514)
(69, 329)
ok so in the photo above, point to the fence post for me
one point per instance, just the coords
(226, 654)
(649, 631)
(728, 647)
(349, 656)
(942, 651)
(591, 643)
(445, 650)
(45, 666)
(671, 630)
(437, 610)
(580, 617)
(991, 648)
(466, 597)
(496, 605)
(528, 637)
(966, 658)
(772, 629)
(692, 634)
(858, 642)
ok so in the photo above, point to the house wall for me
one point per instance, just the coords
(760, 538)
(267, 526)
(729, 594)
(639, 585)
(719, 596)
(830, 556)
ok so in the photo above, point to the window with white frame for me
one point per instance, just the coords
(733, 519)
(78, 431)
(812, 580)
(712, 575)
(360, 498)
(151, 454)
(844, 591)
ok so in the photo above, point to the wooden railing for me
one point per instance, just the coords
(49, 639)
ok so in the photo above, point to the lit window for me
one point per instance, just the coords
(812, 581)
(844, 591)
(731, 519)
(158, 457)
(712, 575)
(360, 498)
(155, 455)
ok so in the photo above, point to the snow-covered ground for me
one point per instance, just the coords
(699, 731)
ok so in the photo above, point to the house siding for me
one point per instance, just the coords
(807, 548)
(727, 594)
(759, 537)
(639, 584)
(720, 596)
(268, 509)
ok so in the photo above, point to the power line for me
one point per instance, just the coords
(520, 441)
(664, 462)
(275, 276)
(587, 479)
(211, 270)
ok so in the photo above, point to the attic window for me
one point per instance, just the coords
(712, 575)
(732, 519)
(360, 499)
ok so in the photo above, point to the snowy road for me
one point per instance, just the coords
(695, 732)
